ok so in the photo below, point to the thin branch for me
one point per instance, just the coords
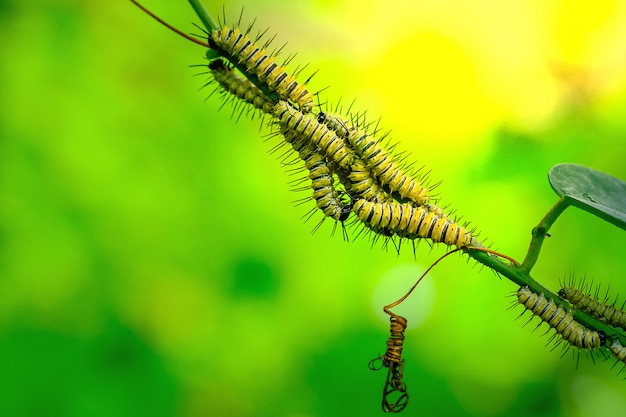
(202, 13)
(540, 232)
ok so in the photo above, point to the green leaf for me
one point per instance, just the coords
(591, 190)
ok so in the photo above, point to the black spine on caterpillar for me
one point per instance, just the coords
(411, 222)
(560, 320)
(236, 46)
(239, 87)
(317, 134)
(608, 313)
(385, 168)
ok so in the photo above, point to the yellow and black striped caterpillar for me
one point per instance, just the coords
(385, 168)
(327, 197)
(335, 149)
(237, 46)
(408, 221)
(560, 320)
(619, 352)
(239, 87)
(361, 183)
(336, 123)
(608, 313)
(340, 148)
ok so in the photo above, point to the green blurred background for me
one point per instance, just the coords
(152, 261)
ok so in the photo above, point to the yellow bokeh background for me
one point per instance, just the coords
(152, 259)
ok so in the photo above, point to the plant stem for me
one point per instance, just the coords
(512, 272)
(202, 13)
(540, 232)
(521, 276)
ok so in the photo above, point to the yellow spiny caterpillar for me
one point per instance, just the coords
(336, 123)
(361, 183)
(327, 197)
(239, 87)
(237, 46)
(385, 168)
(411, 222)
(335, 149)
(560, 320)
(372, 178)
(231, 44)
(619, 352)
(591, 305)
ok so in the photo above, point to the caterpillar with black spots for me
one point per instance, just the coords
(413, 222)
(607, 313)
(238, 47)
(560, 320)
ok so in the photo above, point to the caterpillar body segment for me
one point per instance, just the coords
(335, 122)
(240, 87)
(328, 198)
(385, 168)
(609, 313)
(560, 320)
(361, 183)
(315, 133)
(619, 352)
(237, 46)
(413, 222)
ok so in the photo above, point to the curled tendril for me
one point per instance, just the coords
(395, 397)
(376, 364)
